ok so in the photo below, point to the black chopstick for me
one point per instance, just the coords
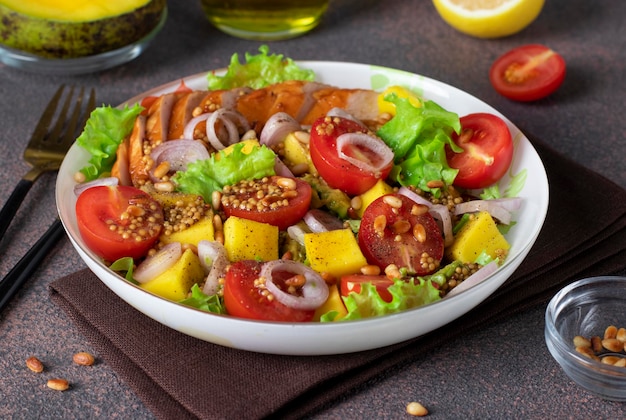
(22, 271)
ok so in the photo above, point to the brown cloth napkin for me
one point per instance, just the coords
(178, 376)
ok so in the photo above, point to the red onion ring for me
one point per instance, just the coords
(377, 146)
(231, 120)
(190, 127)
(277, 127)
(320, 221)
(178, 153)
(214, 260)
(442, 214)
(342, 113)
(314, 292)
(500, 209)
(281, 169)
(407, 192)
(474, 279)
(157, 264)
(296, 233)
(107, 182)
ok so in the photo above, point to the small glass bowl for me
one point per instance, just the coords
(586, 308)
(80, 65)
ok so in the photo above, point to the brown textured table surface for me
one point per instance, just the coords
(504, 371)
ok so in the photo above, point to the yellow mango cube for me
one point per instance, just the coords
(479, 234)
(248, 145)
(333, 303)
(175, 282)
(297, 153)
(249, 240)
(203, 229)
(378, 190)
(335, 252)
(385, 106)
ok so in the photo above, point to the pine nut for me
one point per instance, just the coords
(302, 136)
(34, 364)
(416, 409)
(218, 225)
(610, 332)
(83, 358)
(58, 384)
(380, 223)
(587, 352)
(370, 270)
(297, 281)
(612, 344)
(580, 341)
(435, 184)
(299, 169)
(418, 210)
(216, 199)
(401, 226)
(392, 201)
(162, 169)
(596, 344)
(165, 186)
(621, 362)
(610, 360)
(621, 334)
(356, 203)
(286, 183)
(419, 232)
(392, 272)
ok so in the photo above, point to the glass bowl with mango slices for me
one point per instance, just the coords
(525, 178)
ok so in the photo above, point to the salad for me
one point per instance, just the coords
(293, 200)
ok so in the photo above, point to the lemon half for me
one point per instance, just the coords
(489, 18)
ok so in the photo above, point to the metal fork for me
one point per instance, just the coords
(53, 136)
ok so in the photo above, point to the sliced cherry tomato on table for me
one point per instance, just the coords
(487, 151)
(118, 221)
(396, 230)
(279, 201)
(528, 73)
(352, 283)
(340, 173)
(245, 299)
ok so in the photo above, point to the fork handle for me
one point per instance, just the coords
(22, 271)
(13, 203)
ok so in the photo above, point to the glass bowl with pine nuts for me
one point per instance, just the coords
(586, 333)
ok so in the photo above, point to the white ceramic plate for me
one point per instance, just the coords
(339, 337)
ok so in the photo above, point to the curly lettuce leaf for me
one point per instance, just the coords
(405, 295)
(418, 136)
(202, 177)
(105, 129)
(258, 71)
(204, 302)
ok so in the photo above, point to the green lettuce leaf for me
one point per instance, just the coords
(202, 177)
(418, 136)
(260, 70)
(105, 129)
(405, 295)
(204, 302)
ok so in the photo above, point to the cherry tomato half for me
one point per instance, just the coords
(487, 151)
(528, 73)
(245, 299)
(352, 283)
(336, 171)
(118, 221)
(396, 230)
(263, 200)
